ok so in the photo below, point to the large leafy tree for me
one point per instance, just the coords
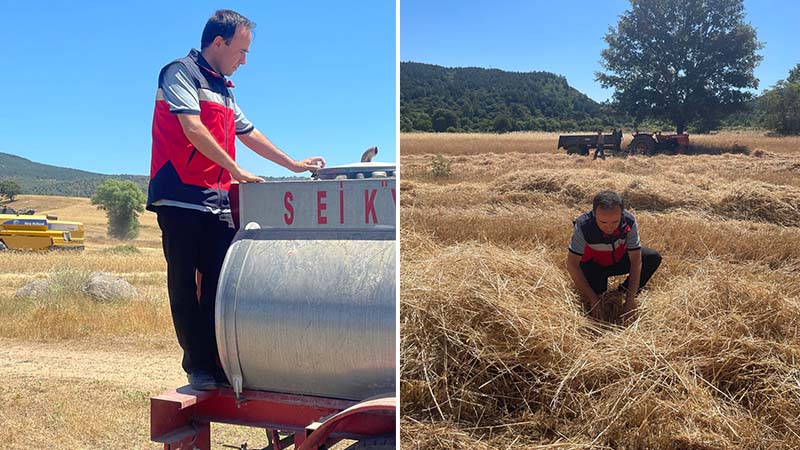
(781, 104)
(681, 60)
(123, 202)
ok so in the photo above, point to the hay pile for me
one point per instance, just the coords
(760, 202)
(743, 200)
(494, 342)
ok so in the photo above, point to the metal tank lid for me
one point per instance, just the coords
(357, 170)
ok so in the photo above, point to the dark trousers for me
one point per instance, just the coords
(194, 241)
(601, 151)
(597, 275)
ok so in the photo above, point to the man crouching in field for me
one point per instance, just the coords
(605, 242)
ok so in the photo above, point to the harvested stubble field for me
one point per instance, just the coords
(78, 374)
(495, 349)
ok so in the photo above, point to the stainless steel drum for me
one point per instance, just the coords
(309, 307)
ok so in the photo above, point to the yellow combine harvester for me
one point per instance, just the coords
(29, 231)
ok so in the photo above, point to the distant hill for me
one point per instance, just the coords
(435, 98)
(44, 179)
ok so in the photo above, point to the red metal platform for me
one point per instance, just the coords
(181, 419)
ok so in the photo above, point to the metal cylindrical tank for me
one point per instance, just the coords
(307, 306)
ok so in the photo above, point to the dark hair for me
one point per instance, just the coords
(607, 200)
(223, 23)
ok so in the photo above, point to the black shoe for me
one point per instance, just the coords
(220, 378)
(201, 380)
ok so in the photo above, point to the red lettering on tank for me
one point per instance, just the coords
(369, 205)
(288, 217)
(321, 206)
(394, 197)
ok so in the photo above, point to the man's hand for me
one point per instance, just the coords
(313, 163)
(595, 307)
(630, 299)
(587, 294)
(244, 176)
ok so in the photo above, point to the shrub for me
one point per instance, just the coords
(440, 167)
(123, 202)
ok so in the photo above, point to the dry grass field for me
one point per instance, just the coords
(78, 374)
(496, 351)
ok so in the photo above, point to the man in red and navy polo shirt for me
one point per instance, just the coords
(195, 125)
(605, 242)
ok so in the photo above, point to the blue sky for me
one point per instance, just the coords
(563, 37)
(79, 78)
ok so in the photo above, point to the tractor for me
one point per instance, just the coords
(654, 143)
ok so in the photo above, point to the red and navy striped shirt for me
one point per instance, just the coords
(592, 244)
(179, 174)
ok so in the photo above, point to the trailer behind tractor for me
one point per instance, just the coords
(581, 144)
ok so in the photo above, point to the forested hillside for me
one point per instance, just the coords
(435, 98)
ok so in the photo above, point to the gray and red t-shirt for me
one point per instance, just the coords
(592, 244)
(179, 174)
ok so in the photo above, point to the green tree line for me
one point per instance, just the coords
(435, 98)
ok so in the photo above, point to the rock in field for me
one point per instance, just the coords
(106, 287)
(38, 288)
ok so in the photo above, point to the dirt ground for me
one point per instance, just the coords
(85, 394)
(85, 361)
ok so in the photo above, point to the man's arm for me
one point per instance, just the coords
(575, 272)
(633, 279)
(204, 142)
(259, 143)
(181, 95)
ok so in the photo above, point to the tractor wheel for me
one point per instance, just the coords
(681, 150)
(642, 144)
(573, 150)
(387, 443)
(3, 246)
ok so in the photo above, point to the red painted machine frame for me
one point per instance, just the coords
(181, 419)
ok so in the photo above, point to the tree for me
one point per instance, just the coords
(681, 60)
(502, 124)
(9, 189)
(123, 202)
(420, 121)
(781, 105)
(443, 119)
